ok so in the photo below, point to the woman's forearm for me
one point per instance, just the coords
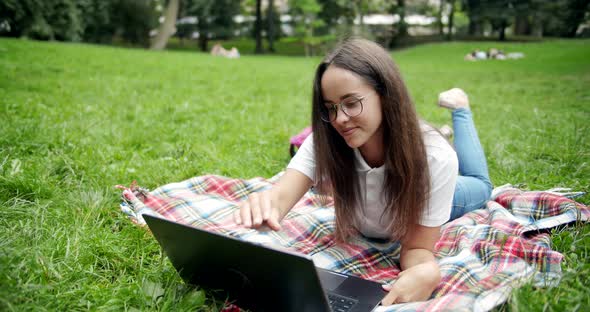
(422, 263)
(419, 277)
(415, 256)
(289, 190)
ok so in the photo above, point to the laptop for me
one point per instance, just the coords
(258, 277)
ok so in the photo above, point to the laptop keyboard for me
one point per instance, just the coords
(340, 304)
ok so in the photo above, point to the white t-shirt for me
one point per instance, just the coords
(443, 167)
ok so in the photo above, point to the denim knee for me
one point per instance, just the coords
(470, 194)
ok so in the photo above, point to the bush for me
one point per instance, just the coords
(77, 20)
(42, 19)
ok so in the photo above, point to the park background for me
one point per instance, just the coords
(85, 104)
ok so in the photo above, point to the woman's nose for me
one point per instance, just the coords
(341, 117)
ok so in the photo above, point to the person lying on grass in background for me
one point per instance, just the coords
(219, 50)
(391, 176)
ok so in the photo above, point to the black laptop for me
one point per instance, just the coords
(257, 277)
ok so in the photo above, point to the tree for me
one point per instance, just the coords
(258, 28)
(214, 18)
(168, 27)
(304, 13)
(441, 26)
(360, 7)
(550, 17)
(44, 20)
(401, 10)
(572, 14)
(522, 24)
(559, 18)
(400, 29)
(132, 20)
(79, 20)
(500, 13)
(475, 14)
(363, 7)
(451, 19)
(98, 20)
(334, 10)
(270, 25)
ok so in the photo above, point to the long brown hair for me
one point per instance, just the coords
(407, 181)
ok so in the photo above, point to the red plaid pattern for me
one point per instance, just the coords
(482, 255)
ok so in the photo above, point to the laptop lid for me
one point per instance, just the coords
(257, 277)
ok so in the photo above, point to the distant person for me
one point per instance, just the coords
(496, 54)
(219, 50)
(480, 55)
(492, 54)
(233, 53)
(475, 55)
(470, 56)
(515, 55)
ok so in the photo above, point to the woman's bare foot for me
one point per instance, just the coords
(453, 99)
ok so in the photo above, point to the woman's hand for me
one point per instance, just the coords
(259, 209)
(414, 284)
(271, 206)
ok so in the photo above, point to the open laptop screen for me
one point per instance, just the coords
(256, 277)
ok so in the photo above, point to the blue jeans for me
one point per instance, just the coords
(473, 188)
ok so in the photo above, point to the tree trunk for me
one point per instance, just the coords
(203, 41)
(258, 28)
(502, 31)
(168, 28)
(398, 30)
(537, 26)
(474, 11)
(203, 25)
(475, 28)
(451, 20)
(441, 26)
(472, 28)
(403, 28)
(270, 30)
(522, 26)
(361, 13)
(577, 11)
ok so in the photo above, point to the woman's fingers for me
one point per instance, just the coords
(265, 205)
(390, 298)
(255, 209)
(245, 214)
(413, 284)
(237, 217)
(273, 220)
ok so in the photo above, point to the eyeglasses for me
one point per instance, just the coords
(351, 107)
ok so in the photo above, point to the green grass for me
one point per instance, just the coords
(78, 119)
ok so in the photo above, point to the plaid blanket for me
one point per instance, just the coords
(482, 255)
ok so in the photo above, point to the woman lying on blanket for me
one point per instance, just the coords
(391, 175)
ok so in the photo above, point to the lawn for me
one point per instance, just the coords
(78, 119)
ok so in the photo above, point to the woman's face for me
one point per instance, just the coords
(360, 131)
